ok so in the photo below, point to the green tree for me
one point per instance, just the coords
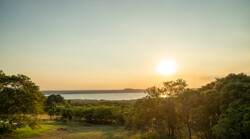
(51, 104)
(186, 101)
(157, 112)
(67, 113)
(175, 88)
(217, 99)
(235, 123)
(219, 109)
(200, 122)
(58, 99)
(19, 96)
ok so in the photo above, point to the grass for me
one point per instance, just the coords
(50, 129)
(99, 131)
(27, 132)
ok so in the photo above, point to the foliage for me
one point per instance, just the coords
(104, 114)
(219, 109)
(27, 131)
(67, 113)
(51, 104)
(157, 113)
(58, 99)
(235, 122)
(19, 96)
(199, 118)
(107, 112)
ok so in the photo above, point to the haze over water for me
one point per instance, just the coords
(125, 94)
(105, 96)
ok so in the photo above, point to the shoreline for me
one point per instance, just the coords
(50, 92)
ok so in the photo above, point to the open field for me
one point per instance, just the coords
(51, 129)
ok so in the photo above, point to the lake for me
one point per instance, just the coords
(105, 96)
(124, 94)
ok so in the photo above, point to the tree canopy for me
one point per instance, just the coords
(19, 96)
(220, 109)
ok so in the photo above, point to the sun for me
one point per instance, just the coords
(167, 67)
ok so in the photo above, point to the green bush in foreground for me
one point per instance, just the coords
(27, 131)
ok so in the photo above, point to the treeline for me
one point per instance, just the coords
(220, 109)
(96, 112)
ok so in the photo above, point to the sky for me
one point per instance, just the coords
(115, 44)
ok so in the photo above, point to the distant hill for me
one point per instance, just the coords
(127, 90)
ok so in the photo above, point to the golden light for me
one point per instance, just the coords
(163, 96)
(167, 67)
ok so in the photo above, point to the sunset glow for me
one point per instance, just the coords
(64, 45)
(167, 67)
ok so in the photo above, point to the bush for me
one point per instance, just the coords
(88, 114)
(67, 113)
(97, 113)
(6, 128)
(34, 123)
(79, 112)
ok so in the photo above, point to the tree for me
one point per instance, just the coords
(186, 101)
(174, 88)
(157, 112)
(200, 121)
(235, 123)
(52, 102)
(220, 109)
(217, 99)
(58, 99)
(67, 113)
(19, 96)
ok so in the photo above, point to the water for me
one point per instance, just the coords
(106, 96)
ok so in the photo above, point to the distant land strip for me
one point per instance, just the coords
(49, 92)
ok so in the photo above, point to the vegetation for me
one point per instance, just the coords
(20, 101)
(114, 113)
(51, 104)
(220, 109)
(26, 132)
(74, 130)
